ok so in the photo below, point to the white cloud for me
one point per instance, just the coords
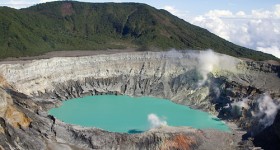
(274, 50)
(259, 29)
(176, 12)
(22, 3)
(171, 9)
(44, 1)
(219, 13)
(215, 24)
(240, 14)
(262, 13)
(277, 10)
(17, 3)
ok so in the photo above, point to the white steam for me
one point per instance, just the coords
(242, 104)
(155, 121)
(174, 54)
(267, 110)
(210, 62)
(207, 62)
(237, 107)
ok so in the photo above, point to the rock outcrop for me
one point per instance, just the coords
(230, 88)
(3, 103)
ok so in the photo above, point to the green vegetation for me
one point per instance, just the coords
(68, 25)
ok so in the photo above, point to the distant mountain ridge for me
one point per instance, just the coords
(71, 25)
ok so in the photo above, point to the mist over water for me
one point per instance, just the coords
(132, 115)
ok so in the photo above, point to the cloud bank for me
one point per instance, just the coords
(259, 29)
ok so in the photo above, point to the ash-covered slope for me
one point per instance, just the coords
(69, 25)
(244, 93)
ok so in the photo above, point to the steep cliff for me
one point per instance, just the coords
(235, 90)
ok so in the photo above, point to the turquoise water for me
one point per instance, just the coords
(128, 114)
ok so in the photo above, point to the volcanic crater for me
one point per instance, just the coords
(236, 91)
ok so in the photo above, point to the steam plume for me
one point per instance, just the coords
(155, 121)
(243, 103)
(174, 54)
(267, 110)
(237, 106)
(210, 62)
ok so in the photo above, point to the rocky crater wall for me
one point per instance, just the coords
(222, 85)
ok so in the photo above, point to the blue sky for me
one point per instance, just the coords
(251, 23)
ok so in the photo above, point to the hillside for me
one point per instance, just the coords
(72, 25)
